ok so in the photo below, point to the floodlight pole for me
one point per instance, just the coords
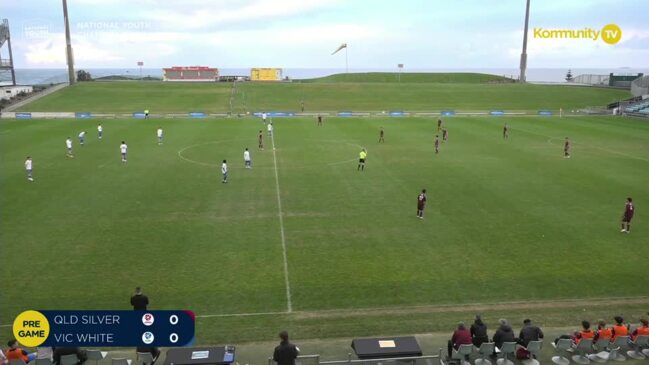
(68, 43)
(522, 77)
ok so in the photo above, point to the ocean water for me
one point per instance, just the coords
(34, 76)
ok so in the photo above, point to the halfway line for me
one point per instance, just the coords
(281, 229)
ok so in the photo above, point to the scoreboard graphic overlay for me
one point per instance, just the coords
(101, 328)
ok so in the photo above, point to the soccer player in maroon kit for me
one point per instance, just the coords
(566, 148)
(421, 204)
(436, 144)
(319, 120)
(506, 131)
(381, 133)
(444, 134)
(439, 124)
(261, 140)
(629, 209)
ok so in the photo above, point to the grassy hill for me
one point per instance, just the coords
(164, 97)
(412, 77)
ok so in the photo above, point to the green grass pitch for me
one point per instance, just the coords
(507, 220)
(165, 97)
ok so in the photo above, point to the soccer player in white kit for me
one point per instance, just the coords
(123, 148)
(68, 144)
(159, 135)
(82, 137)
(270, 129)
(224, 171)
(100, 131)
(28, 168)
(263, 117)
(246, 159)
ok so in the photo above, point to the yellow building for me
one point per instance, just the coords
(265, 74)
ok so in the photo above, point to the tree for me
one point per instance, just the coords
(83, 76)
(569, 77)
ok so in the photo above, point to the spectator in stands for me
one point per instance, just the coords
(286, 352)
(619, 328)
(643, 330)
(503, 334)
(584, 333)
(154, 351)
(479, 331)
(461, 336)
(529, 332)
(139, 301)
(14, 352)
(62, 351)
(602, 332)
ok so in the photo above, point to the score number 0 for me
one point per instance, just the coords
(173, 319)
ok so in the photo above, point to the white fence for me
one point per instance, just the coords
(640, 86)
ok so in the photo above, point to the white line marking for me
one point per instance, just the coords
(435, 306)
(448, 305)
(242, 314)
(341, 162)
(281, 229)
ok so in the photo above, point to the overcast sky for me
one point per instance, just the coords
(303, 33)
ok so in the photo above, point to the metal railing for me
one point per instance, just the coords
(413, 360)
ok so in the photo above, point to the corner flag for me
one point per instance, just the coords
(344, 45)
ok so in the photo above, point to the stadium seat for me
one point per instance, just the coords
(485, 350)
(71, 359)
(16, 362)
(506, 349)
(96, 355)
(144, 358)
(621, 342)
(121, 361)
(583, 349)
(605, 356)
(561, 348)
(639, 347)
(601, 346)
(462, 353)
(534, 348)
(43, 362)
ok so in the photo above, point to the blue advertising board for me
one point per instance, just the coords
(448, 113)
(497, 112)
(139, 115)
(345, 114)
(398, 114)
(83, 115)
(23, 115)
(545, 113)
(197, 115)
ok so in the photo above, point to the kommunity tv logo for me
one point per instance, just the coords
(610, 33)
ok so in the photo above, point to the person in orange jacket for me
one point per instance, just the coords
(619, 328)
(584, 333)
(643, 330)
(14, 352)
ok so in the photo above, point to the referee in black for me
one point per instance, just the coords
(286, 352)
(139, 301)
